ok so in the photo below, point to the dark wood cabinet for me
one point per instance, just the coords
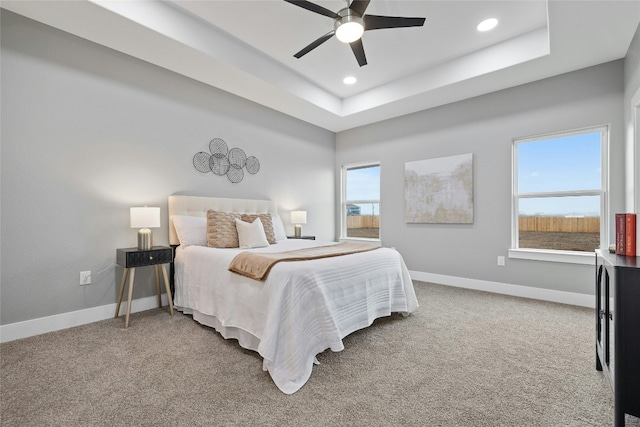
(618, 330)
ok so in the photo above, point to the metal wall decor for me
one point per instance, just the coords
(223, 161)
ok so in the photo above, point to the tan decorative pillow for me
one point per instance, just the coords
(267, 224)
(221, 229)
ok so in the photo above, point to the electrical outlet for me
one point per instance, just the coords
(85, 277)
(501, 261)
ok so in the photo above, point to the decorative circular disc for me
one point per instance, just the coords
(219, 164)
(218, 146)
(235, 174)
(237, 157)
(201, 162)
(252, 165)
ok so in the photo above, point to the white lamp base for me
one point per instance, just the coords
(297, 230)
(145, 239)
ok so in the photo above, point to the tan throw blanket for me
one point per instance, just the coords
(258, 265)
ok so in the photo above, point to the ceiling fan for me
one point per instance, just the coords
(350, 23)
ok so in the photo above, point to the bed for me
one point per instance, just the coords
(301, 309)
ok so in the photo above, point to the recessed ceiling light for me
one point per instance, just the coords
(487, 24)
(349, 80)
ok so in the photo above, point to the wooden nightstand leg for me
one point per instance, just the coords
(155, 268)
(167, 288)
(124, 278)
(131, 276)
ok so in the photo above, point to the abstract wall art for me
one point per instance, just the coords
(439, 191)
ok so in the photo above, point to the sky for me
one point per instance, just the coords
(558, 164)
(364, 184)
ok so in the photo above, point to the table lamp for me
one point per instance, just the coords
(298, 218)
(145, 218)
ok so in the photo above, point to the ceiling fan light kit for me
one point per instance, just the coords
(350, 23)
(349, 27)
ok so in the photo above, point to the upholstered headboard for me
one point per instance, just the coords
(198, 206)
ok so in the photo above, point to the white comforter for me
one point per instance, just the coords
(303, 307)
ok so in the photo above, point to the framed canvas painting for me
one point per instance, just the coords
(439, 191)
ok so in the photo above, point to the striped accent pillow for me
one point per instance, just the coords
(221, 229)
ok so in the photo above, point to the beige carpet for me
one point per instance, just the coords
(465, 358)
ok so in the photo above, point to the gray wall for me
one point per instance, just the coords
(486, 126)
(631, 90)
(88, 132)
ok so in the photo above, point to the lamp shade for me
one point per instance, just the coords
(298, 217)
(145, 217)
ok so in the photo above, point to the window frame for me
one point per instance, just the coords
(552, 255)
(344, 202)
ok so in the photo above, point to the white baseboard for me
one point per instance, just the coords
(28, 328)
(582, 300)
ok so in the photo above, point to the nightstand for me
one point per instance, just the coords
(302, 237)
(130, 258)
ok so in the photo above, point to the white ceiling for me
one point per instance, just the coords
(246, 48)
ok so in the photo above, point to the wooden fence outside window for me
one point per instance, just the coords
(560, 224)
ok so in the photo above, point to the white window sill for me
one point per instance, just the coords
(568, 257)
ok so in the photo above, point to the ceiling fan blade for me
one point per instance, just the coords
(359, 6)
(315, 44)
(375, 22)
(314, 8)
(358, 51)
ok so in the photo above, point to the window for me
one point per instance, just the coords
(559, 203)
(361, 201)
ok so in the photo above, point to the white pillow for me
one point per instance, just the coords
(191, 230)
(278, 228)
(251, 235)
